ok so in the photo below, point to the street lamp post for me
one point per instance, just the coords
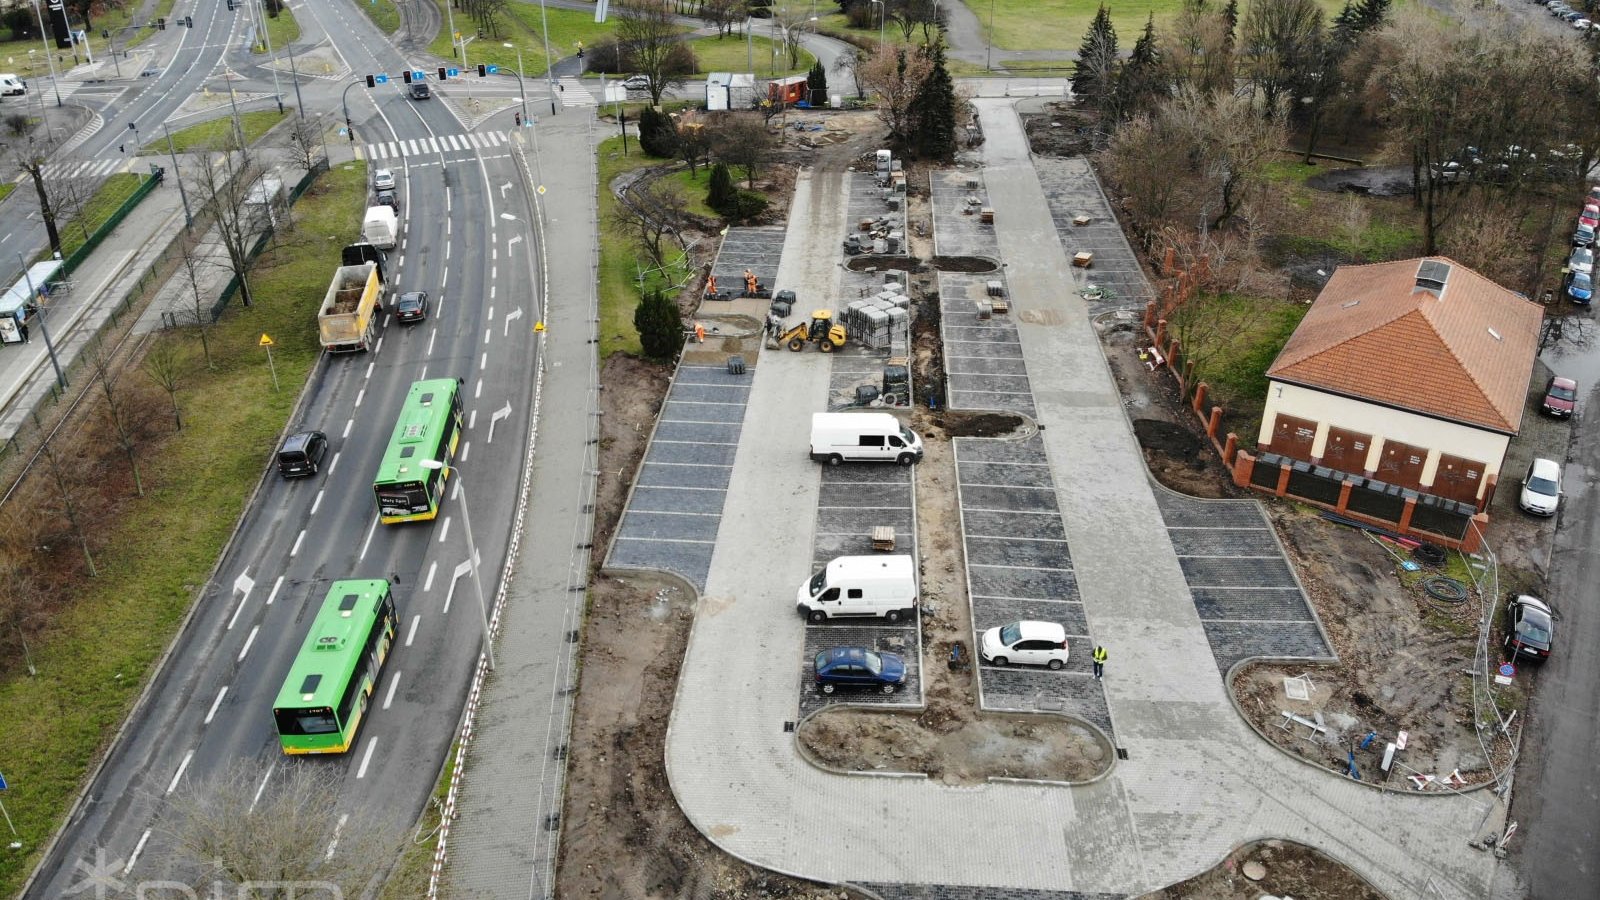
(238, 127)
(452, 26)
(344, 100)
(177, 176)
(266, 37)
(44, 329)
(294, 74)
(882, 9)
(988, 49)
(520, 88)
(549, 63)
(472, 552)
(49, 60)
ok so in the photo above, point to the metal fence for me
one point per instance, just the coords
(76, 257)
(256, 249)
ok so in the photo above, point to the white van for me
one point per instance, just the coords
(860, 586)
(862, 437)
(11, 86)
(381, 227)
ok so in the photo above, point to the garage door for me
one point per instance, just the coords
(1346, 450)
(1458, 478)
(1293, 436)
(1402, 464)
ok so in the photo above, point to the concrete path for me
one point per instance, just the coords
(1197, 780)
(514, 769)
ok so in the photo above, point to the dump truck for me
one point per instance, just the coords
(349, 313)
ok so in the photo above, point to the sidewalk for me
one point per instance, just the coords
(511, 781)
(1197, 781)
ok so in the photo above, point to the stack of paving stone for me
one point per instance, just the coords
(877, 321)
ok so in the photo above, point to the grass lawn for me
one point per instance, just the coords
(6, 187)
(282, 29)
(409, 877)
(163, 11)
(383, 14)
(1232, 339)
(1060, 24)
(693, 190)
(619, 257)
(106, 200)
(522, 27)
(728, 54)
(15, 56)
(217, 131)
(98, 654)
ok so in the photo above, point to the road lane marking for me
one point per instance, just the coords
(491, 312)
(483, 363)
(335, 464)
(295, 550)
(137, 849)
(412, 633)
(446, 251)
(477, 391)
(370, 365)
(334, 844)
(378, 348)
(394, 681)
(179, 774)
(472, 420)
(274, 595)
(236, 610)
(487, 333)
(431, 335)
(248, 641)
(216, 703)
(316, 503)
(466, 446)
(445, 531)
(361, 395)
(366, 543)
(348, 424)
(491, 291)
(433, 567)
(444, 279)
(367, 756)
(264, 779)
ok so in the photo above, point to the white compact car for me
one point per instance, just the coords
(1541, 488)
(1025, 643)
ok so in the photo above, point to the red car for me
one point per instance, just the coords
(1590, 216)
(1560, 397)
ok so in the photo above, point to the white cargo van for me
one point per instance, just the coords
(860, 586)
(381, 227)
(12, 86)
(862, 437)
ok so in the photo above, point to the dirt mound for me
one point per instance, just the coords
(974, 264)
(1286, 869)
(954, 424)
(1063, 131)
(870, 263)
(1037, 747)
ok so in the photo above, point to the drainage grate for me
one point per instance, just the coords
(552, 822)
(560, 752)
(1122, 753)
(572, 636)
(788, 727)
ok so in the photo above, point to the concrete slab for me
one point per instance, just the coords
(957, 196)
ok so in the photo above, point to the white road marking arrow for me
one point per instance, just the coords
(514, 314)
(244, 584)
(503, 188)
(499, 414)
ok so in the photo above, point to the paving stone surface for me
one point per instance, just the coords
(958, 197)
(1071, 190)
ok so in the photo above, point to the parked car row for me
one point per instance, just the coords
(1580, 262)
(1578, 19)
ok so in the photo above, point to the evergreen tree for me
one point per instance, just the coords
(934, 109)
(1230, 22)
(1370, 14)
(1093, 79)
(657, 135)
(1143, 77)
(722, 195)
(659, 324)
(817, 82)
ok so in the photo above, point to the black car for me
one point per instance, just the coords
(412, 306)
(389, 199)
(302, 454)
(1530, 628)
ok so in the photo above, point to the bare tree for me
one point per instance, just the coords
(32, 157)
(195, 310)
(283, 841)
(742, 140)
(127, 411)
(650, 215)
(1280, 48)
(225, 188)
(793, 25)
(68, 499)
(895, 75)
(305, 142)
(724, 14)
(164, 364)
(694, 143)
(853, 61)
(648, 30)
(1199, 47)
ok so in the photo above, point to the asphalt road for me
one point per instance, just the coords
(1556, 798)
(467, 243)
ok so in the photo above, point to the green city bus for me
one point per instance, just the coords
(331, 682)
(428, 429)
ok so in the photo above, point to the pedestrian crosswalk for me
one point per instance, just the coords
(573, 93)
(84, 168)
(432, 146)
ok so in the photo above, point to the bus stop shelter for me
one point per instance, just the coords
(19, 302)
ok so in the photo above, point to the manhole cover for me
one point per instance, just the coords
(1297, 688)
(1253, 870)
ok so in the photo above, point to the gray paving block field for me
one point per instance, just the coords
(854, 499)
(1019, 567)
(982, 357)
(1071, 190)
(675, 509)
(964, 892)
(867, 201)
(957, 197)
(1244, 588)
(757, 248)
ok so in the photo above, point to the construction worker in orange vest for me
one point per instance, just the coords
(749, 283)
(711, 284)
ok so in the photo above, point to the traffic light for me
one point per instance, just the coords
(407, 76)
(483, 70)
(443, 73)
(230, 5)
(372, 82)
(188, 21)
(161, 24)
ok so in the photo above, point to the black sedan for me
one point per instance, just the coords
(412, 306)
(1530, 628)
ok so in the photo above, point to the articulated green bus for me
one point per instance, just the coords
(331, 682)
(428, 429)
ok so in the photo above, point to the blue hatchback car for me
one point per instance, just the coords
(859, 667)
(1581, 287)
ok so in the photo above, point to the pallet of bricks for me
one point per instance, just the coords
(876, 321)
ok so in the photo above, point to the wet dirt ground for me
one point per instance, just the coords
(1286, 869)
